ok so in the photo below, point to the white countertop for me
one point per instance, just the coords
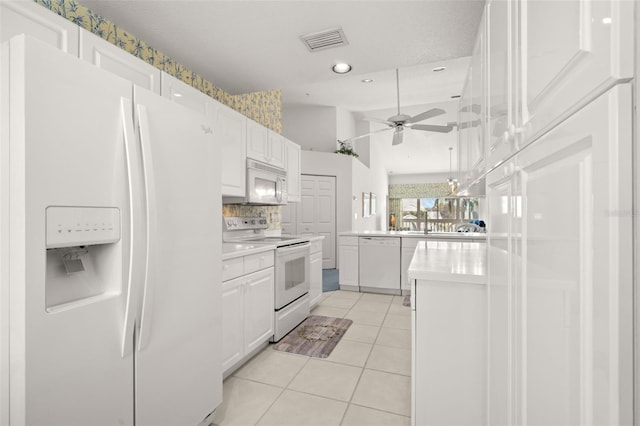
(233, 250)
(450, 261)
(480, 236)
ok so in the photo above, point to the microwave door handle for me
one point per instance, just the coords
(279, 190)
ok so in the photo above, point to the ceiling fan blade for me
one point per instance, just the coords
(397, 137)
(432, 128)
(434, 112)
(475, 108)
(379, 120)
(365, 135)
(467, 124)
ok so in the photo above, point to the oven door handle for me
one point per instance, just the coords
(287, 250)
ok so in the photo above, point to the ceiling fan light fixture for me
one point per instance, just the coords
(341, 68)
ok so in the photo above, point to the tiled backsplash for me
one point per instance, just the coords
(272, 213)
(263, 107)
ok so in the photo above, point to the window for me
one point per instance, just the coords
(436, 214)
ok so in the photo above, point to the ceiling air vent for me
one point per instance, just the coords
(324, 39)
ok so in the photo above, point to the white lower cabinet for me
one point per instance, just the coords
(232, 322)
(247, 313)
(258, 312)
(348, 263)
(560, 273)
(315, 272)
(406, 254)
(449, 361)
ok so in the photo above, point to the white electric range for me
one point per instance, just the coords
(292, 263)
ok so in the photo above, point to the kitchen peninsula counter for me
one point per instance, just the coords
(449, 332)
(449, 261)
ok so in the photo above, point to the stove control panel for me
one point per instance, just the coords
(239, 223)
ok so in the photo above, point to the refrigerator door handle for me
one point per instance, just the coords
(146, 315)
(126, 110)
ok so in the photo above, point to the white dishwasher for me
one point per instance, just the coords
(379, 260)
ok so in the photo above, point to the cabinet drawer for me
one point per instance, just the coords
(255, 262)
(349, 241)
(316, 246)
(232, 268)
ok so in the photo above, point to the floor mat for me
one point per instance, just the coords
(316, 336)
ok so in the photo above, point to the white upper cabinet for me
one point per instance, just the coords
(230, 130)
(470, 117)
(540, 63)
(188, 96)
(277, 148)
(265, 145)
(499, 75)
(560, 273)
(257, 141)
(293, 171)
(105, 55)
(570, 53)
(17, 17)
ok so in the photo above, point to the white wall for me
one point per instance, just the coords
(311, 127)
(350, 124)
(345, 124)
(370, 179)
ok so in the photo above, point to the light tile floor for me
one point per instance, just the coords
(366, 381)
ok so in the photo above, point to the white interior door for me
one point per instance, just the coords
(178, 363)
(317, 214)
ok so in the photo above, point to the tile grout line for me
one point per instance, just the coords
(355, 388)
(282, 389)
(362, 369)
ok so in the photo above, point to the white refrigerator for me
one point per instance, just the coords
(109, 249)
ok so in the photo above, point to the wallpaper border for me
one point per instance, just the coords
(264, 107)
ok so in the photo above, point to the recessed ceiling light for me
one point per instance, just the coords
(341, 68)
(438, 69)
(367, 80)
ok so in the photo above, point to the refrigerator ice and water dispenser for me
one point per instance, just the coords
(84, 259)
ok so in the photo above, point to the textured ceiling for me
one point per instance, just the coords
(245, 46)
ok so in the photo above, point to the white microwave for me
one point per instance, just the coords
(266, 185)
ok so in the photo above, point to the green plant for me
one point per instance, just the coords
(345, 148)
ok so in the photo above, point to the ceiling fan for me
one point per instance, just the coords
(400, 122)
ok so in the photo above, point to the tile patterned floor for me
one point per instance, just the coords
(366, 381)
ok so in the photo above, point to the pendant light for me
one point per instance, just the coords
(453, 183)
